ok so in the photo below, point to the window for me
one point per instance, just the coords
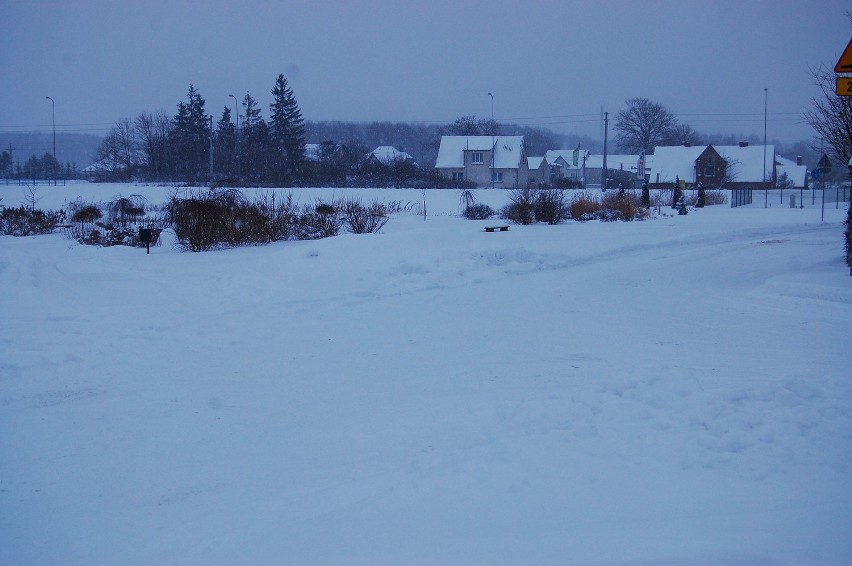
(496, 176)
(458, 176)
(476, 157)
(709, 170)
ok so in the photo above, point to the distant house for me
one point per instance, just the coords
(484, 160)
(714, 166)
(622, 171)
(567, 163)
(388, 155)
(794, 171)
(538, 171)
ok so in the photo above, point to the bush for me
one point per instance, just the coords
(320, 222)
(23, 221)
(583, 206)
(478, 212)
(628, 206)
(550, 206)
(521, 209)
(365, 220)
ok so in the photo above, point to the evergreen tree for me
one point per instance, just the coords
(678, 193)
(225, 145)
(287, 134)
(702, 198)
(254, 141)
(646, 195)
(191, 134)
(681, 206)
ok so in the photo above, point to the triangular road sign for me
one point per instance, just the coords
(844, 64)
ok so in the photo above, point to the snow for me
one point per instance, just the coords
(674, 391)
(508, 150)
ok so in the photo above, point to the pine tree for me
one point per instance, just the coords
(678, 193)
(191, 134)
(225, 144)
(681, 206)
(646, 195)
(702, 198)
(287, 134)
(254, 141)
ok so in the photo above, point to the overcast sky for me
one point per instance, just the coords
(555, 64)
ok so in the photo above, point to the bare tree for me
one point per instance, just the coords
(831, 116)
(643, 125)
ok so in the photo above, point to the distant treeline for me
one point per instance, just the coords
(193, 146)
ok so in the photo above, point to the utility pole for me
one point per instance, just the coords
(765, 188)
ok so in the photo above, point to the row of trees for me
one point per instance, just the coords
(44, 167)
(189, 147)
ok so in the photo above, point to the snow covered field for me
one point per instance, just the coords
(674, 391)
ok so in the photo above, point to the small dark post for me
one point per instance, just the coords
(145, 238)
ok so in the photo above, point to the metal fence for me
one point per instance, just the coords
(740, 197)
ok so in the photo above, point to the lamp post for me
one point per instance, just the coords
(765, 188)
(237, 110)
(493, 150)
(53, 113)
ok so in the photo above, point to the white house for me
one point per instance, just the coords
(484, 160)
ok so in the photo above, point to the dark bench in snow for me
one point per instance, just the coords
(504, 228)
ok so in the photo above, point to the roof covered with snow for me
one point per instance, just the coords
(568, 156)
(795, 173)
(509, 150)
(388, 154)
(745, 164)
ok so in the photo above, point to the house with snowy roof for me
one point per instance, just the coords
(740, 166)
(538, 171)
(484, 160)
(568, 163)
(388, 155)
(795, 172)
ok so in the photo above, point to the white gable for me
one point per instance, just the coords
(508, 150)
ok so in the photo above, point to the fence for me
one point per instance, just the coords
(740, 197)
(36, 182)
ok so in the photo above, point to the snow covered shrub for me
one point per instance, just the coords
(23, 221)
(582, 205)
(681, 206)
(715, 197)
(364, 219)
(321, 221)
(628, 206)
(608, 215)
(551, 206)
(478, 211)
(521, 209)
(281, 216)
(126, 210)
(85, 213)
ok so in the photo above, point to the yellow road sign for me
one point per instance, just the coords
(844, 86)
(844, 64)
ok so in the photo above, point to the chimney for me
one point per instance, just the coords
(743, 144)
(799, 160)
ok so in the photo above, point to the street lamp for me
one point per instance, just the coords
(493, 149)
(765, 188)
(53, 111)
(237, 110)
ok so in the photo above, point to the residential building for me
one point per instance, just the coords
(740, 166)
(498, 161)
